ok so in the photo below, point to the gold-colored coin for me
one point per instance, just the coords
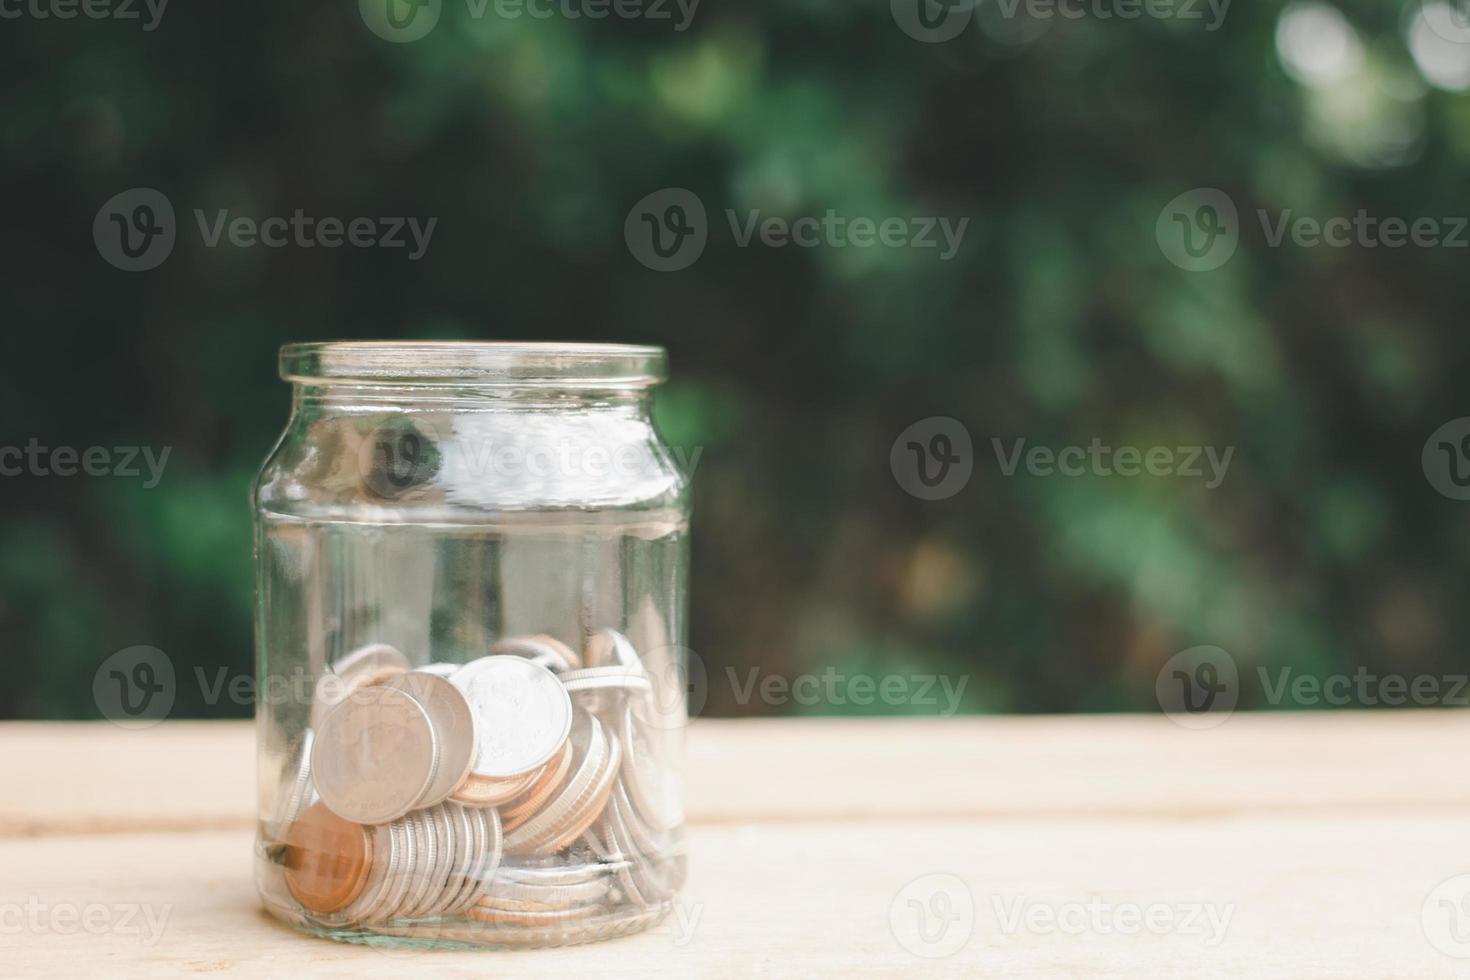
(327, 859)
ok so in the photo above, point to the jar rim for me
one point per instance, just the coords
(474, 362)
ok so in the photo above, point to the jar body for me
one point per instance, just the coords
(527, 544)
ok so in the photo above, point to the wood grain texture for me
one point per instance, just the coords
(1315, 838)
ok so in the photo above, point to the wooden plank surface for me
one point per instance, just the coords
(1273, 846)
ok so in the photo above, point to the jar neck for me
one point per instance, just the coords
(439, 397)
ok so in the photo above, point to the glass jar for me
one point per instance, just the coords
(471, 566)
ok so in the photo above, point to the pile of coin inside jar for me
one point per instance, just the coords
(519, 793)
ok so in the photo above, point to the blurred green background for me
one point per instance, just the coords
(1060, 319)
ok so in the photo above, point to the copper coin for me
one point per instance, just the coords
(327, 859)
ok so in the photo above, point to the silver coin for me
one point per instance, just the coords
(476, 837)
(374, 756)
(553, 874)
(541, 649)
(641, 880)
(438, 872)
(400, 877)
(504, 894)
(590, 755)
(522, 714)
(609, 648)
(438, 669)
(613, 678)
(390, 853)
(652, 787)
(421, 875)
(295, 792)
(485, 838)
(464, 856)
(607, 690)
(449, 848)
(645, 840)
(454, 724)
(345, 674)
(494, 848)
(630, 875)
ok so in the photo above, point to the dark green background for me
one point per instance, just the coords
(794, 369)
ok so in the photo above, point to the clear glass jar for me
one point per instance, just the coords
(471, 573)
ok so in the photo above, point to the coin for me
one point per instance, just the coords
(295, 792)
(435, 872)
(589, 747)
(520, 809)
(375, 755)
(454, 726)
(522, 714)
(605, 689)
(477, 840)
(542, 649)
(438, 669)
(363, 667)
(610, 678)
(373, 889)
(609, 648)
(595, 801)
(513, 896)
(641, 879)
(327, 860)
(559, 872)
(479, 791)
(400, 872)
(489, 854)
(370, 657)
(575, 803)
(438, 872)
(426, 844)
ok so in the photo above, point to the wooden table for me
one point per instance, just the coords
(1288, 845)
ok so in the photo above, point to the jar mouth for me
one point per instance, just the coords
(474, 363)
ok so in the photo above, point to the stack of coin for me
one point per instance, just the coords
(401, 800)
(433, 862)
